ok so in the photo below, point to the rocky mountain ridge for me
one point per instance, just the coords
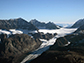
(18, 23)
(43, 25)
(16, 47)
(80, 29)
(79, 23)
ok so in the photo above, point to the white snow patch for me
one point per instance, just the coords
(11, 31)
(4, 32)
(58, 26)
(67, 44)
(16, 31)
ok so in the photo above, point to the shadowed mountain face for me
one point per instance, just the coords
(78, 23)
(41, 35)
(16, 24)
(80, 29)
(16, 47)
(73, 53)
(60, 42)
(42, 25)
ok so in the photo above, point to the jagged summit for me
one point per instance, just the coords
(43, 25)
(14, 19)
(19, 18)
(18, 23)
(79, 23)
(34, 20)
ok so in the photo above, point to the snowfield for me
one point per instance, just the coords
(67, 44)
(46, 44)
(11, 31)
(15, 31)
(4, 32)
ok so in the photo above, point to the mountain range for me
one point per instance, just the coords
(60, 53)
(18, 23)
(16, 45)
(66, 49)
(43, 25)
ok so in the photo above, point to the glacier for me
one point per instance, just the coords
(47, 43)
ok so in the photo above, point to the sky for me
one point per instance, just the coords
(58, 11)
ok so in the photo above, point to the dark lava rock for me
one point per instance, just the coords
(16, 47)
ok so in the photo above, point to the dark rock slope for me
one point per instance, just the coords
(60, 42)
(42, 25)
(80, 29)
(16, 47)
(73, 53)
(18, 23)
(78, 23)
(41, 35)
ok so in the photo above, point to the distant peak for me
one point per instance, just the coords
(34, 20)
(50, 22)
(19, 18)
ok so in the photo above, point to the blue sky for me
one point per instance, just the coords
(43, 10)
